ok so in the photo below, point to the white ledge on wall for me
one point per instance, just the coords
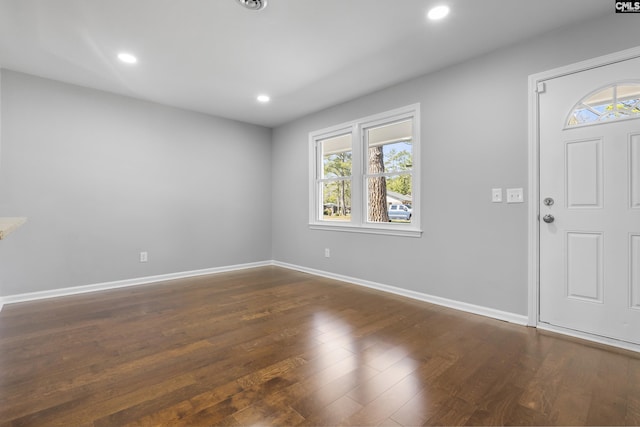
(7, 225)
(403, 232)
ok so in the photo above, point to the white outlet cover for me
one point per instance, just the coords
(515, 195)
(496, 195)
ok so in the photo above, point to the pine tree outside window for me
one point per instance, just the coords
(364, 175)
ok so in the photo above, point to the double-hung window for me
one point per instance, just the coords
(365, 174)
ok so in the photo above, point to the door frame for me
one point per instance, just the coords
(536, 86)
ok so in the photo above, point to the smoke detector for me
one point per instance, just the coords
(253, 4)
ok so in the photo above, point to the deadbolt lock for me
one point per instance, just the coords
(548, 201)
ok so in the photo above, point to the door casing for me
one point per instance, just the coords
(536, 85)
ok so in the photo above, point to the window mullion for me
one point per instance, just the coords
(316, 189)
(356, 184)
(319, 185)
(335, 179)
(364, 195)
(388, 174)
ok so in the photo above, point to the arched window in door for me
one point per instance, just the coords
(618, 101)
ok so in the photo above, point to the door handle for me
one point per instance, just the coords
(548, 218)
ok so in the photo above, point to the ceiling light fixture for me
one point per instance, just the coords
(253, 4)
(127, 58)
(263, 99)
(438, 12)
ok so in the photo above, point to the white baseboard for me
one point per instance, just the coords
(458, 305)
(470, 308)
(462, 306)
(33, 296)
(589, 337)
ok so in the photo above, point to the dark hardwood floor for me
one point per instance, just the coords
(272, 346)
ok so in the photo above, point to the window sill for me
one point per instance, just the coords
(388, 231)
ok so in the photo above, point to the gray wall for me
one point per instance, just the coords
(472, 250)
(102, 177)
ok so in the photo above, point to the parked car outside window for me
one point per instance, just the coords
(399, 212)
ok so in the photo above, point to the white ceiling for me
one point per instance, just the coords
(215, 57)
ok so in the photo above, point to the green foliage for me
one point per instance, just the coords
(625, 107)
(338, 192)
(400, 184)
(337, 165)
(340, 165)
(398, 161)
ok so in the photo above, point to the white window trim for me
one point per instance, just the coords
(359, 223)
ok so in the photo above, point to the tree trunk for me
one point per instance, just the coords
(377, 187)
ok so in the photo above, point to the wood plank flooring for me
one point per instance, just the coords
(272, 346)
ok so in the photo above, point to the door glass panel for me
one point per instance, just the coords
(615, 102)
(602, 97)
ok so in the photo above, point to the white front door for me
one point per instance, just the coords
(590, 178)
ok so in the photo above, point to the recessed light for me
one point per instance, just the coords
(263, 98)
(127, 58)
(253, 4)
(438, 12)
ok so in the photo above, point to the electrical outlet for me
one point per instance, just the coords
(144, 256)
(515, 195)
(327, 253)
(496, 195)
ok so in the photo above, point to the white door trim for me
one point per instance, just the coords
(536, 84)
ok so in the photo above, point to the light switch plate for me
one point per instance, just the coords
(515, 195)
(496, 195)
